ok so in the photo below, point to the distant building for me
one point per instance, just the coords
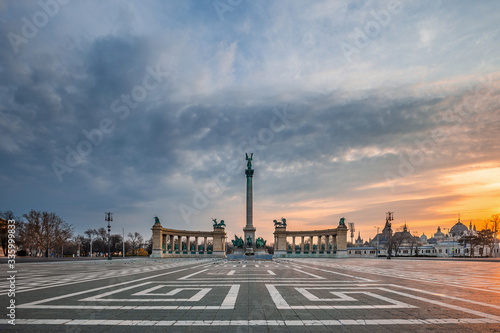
(439, 235)
(359, 241)
(459, 229)
(423, 238)
(439, 245)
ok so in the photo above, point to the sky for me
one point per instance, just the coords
(351, 109)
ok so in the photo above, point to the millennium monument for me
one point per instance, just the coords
(330, 242)
(249, 247)
(249, 229)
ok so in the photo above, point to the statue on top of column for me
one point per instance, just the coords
(220, 225)
(281, 224)
(157, 220)
(249, 159)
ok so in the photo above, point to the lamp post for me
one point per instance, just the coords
(108, 217)
(123, 242)
(376, 253)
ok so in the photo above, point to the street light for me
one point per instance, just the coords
(376, 254)
(108, 217)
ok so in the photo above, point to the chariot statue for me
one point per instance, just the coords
(218, 225)
(281, 224)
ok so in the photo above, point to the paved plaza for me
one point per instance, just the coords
(289, 295)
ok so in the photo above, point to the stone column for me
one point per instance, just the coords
(302, 244)
(179, 243)
(196, 244)
(293, 244)
(205, 244)
(249, 230)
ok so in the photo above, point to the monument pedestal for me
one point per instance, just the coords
(249, 251)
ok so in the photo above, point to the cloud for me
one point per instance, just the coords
(228, 84)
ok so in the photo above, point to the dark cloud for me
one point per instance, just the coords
(226, 93)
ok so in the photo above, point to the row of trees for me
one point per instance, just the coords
(40, 233)
(95, 241)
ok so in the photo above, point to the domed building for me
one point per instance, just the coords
(423, 238)
(439, 235)
(458, 229)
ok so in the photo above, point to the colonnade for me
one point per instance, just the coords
(310, 244)
(327, 242)
(185, 243)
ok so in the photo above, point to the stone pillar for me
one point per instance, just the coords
(196, 245)
(280, 237)
(341, 241)
(205, 245)
(293, 244)
(302, 244)
(327, 243)
(179, 243)
(249, 230)
(219, 243)
(157, 238)
(320, 238)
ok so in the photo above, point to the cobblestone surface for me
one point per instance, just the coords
(292, 295)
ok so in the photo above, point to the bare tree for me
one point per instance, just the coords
(44, 231)
(136, 240)
(116, 243)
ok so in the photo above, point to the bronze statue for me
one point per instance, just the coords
(218, 225)
(249, 159)
(280, 224)
(238, 242)
(157, 220)
(342, 222)
(260, 242)
(249, 241)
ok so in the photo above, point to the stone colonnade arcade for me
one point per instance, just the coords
(171, 243)
(311, 243)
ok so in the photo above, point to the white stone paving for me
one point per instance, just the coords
(303, 286)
